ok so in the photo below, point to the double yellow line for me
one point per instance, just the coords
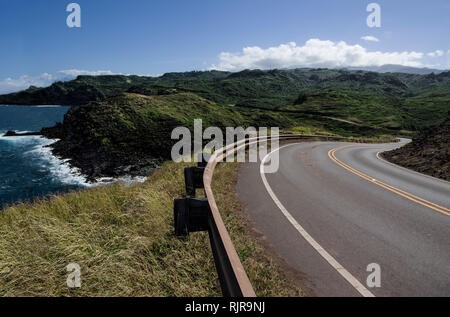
(416, 199)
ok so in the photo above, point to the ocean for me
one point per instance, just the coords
(27, 167)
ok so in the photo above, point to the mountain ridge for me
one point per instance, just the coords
(262, 88)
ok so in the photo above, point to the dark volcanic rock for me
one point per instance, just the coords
(429, 153)
(94, 141)
(13, 133)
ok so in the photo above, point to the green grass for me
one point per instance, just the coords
(396, 114)
(309, 130)
(122, 237)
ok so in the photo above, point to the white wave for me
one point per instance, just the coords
(59, 168)
(67, 174)
(19, 139)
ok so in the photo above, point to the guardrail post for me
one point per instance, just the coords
(193, 177)
(191, 215)
(201, 161)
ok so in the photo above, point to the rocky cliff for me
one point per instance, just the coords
(429, 153)
(130, 134)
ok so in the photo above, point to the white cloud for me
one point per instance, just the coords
(437, 53)
(370, 38)
(15, 84)
(315, 53)
(77, 72)
(9, 85)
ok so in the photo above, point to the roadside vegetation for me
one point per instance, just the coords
(320, 131)
(122, 237)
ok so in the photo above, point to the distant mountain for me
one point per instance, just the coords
(397, 101)
(398, 69)
(249, 88)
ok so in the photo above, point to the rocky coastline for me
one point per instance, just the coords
(15, 134)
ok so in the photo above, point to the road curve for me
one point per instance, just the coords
(334, 208)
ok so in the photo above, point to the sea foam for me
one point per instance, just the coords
(59, 168)
(67, 174)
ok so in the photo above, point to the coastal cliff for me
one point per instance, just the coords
(130, 134)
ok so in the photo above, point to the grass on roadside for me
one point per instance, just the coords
(317, 130)
(122, 237)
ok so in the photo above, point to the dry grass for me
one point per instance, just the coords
(122, 237)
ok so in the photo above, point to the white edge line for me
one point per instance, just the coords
(332, 261)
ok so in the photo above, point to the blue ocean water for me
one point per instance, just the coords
(27, 167)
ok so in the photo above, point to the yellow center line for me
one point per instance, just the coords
(414, 198)
(381, 183)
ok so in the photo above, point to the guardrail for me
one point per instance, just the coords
(202, 214)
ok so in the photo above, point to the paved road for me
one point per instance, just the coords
(330, 214)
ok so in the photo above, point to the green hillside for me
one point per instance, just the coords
(131, 133)
(396, 101)
(272, 88)
(397, 114)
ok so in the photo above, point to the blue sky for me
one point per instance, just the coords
(153, 37)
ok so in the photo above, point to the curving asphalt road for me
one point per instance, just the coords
(334, 208)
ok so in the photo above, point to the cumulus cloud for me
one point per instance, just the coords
(315, 53)
(437, 53)
(370, 38)
(9, 85)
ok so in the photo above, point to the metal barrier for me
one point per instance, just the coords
(194, 214)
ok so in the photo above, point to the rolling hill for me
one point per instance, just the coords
(130, 134)
(397, 101)
(122, 124)
(269, 89)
